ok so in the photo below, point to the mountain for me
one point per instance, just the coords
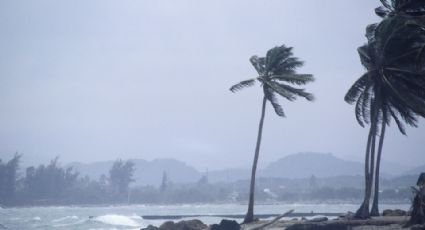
(146, 172)
(302, 165)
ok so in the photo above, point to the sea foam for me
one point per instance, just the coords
(120, 220)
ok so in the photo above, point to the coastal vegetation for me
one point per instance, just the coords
(54, 184)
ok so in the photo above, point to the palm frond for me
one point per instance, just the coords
(405, 112)
(420, 59)
(277, 89)
(358, 110)
(242, 84)
(270, 95)
(414, 52)
(410, 100)
(370, 32)
(258, 63)
(382, 11)
(296, 91)
(298, 79)
(367, 102)
(386, 4)
(277, 55)
(356, 89)
(365, 58)
(286, 66)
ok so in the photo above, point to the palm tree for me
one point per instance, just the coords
(274, 72)
(393, 86)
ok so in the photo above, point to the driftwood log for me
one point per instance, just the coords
(273, 221)
(344, 224)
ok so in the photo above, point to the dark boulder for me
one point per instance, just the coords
(417, 227)
(183, 225)
(394, 212)
(150, 227)
(226, 225)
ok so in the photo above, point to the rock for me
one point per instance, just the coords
(215, 227)
(150, 227)
(395, 212)
(226, 225)
(417, 227)
(183, 225)
(168, 225)
(312, 226)
(229, 225)
(318, 219)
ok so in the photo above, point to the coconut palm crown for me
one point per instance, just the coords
(276, 72)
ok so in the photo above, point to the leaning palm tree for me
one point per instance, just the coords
(275, 71)
(392, 88)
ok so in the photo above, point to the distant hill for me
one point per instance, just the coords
(302, 165)
(415, 171)
(295, 166)
(146, 172)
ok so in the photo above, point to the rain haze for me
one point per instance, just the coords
(101, 80)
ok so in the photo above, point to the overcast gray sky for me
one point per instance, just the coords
(98, 80)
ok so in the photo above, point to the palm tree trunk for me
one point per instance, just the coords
(250, 214)
(363, 211)
(372, 162)
(375, 208)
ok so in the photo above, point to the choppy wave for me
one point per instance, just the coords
(66, 218)
(130, 217)
(119, 220)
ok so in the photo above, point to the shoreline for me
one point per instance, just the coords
(306, 203)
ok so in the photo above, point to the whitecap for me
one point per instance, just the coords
(136, 217)
(69, 224)
(120, 220)
(36, 218)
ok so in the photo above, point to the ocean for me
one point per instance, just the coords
(130, 216)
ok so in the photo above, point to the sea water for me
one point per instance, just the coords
(130, 216)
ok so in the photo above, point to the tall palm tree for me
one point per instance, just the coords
(393, 86)
(275, 71)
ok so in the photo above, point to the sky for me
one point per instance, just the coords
(100, 80)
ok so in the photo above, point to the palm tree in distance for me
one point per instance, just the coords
(393, 88)
(275, 71)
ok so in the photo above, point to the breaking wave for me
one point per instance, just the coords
(119, 220)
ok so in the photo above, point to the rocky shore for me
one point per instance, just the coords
(392, 219)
